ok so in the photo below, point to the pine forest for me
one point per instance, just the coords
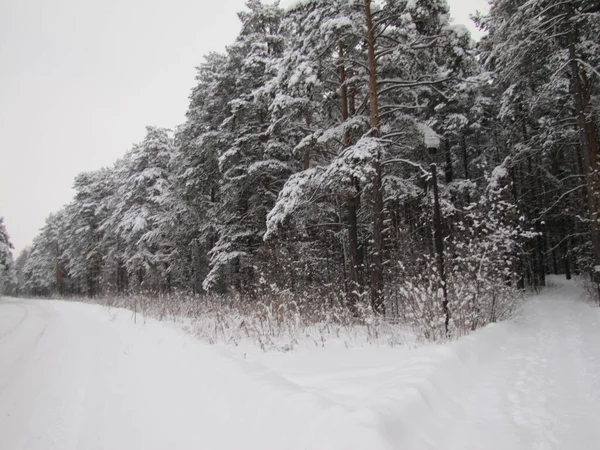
(362, 158)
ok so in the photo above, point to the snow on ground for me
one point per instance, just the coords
(76, 376)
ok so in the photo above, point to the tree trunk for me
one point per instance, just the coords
(377, 300)
(588, 139)
(439, 246)
(352, 205)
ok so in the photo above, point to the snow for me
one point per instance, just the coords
(291, 197)
(460, 30)
(500, 172)
(75, 376)
(430, 137)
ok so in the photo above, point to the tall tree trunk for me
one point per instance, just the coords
(439, 246)
(377, 300)
(588, 138)
(352, 206)
(519, 266)
(540, 250)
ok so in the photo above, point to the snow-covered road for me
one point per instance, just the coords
(75, 376)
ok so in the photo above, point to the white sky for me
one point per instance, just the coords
(81, 79)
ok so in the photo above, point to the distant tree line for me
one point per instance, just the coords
(358, 153)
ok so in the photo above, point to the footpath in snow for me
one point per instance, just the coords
(78, 377)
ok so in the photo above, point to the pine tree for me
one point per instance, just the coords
(46, 269)
(251, 164)
(141, 211)
(6, 259)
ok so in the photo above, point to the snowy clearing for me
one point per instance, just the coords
(76, 376)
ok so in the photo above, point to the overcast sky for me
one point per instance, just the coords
(80, 80)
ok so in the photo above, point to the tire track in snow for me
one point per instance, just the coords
(6, 333)
(15, 360)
